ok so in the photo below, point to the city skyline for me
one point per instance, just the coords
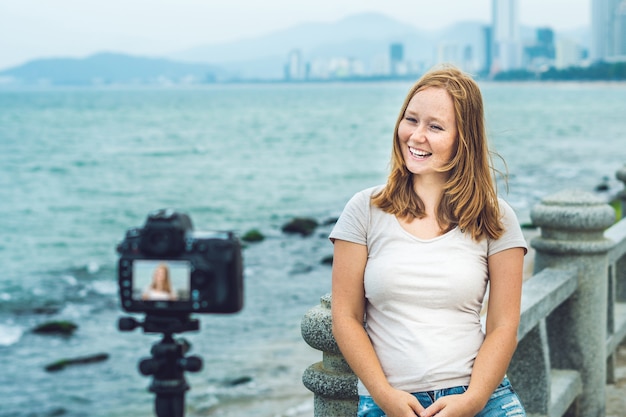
(72, 28)
(503, 47)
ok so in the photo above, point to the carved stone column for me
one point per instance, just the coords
(331, 380)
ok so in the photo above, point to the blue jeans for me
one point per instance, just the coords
(504, 402)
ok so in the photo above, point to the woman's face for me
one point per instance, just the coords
(428, 133)
(159, 277)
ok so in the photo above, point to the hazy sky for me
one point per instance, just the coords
(73, 28)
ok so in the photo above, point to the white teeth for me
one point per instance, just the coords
(419, 153)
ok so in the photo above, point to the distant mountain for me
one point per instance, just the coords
(107, 69)
(361, 36)
(306, 37)
(366, 37)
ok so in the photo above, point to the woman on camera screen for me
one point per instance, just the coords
(412, 261)
(161, 287)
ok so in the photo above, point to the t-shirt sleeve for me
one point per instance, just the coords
(512, 236)
(352, 223)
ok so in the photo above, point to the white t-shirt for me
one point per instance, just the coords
(424, 297)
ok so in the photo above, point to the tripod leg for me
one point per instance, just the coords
(169, 405)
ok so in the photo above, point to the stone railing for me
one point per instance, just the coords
(573, 316)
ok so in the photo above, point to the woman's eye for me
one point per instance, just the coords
(410, 119)
(436, 127)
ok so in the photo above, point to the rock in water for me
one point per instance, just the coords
(62, 363)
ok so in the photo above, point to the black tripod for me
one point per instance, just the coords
(168, 363)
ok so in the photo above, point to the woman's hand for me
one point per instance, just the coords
(458, 405)
(396, 403)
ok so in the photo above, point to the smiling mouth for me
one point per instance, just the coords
(418, 153)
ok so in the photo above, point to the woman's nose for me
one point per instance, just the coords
(418, 133)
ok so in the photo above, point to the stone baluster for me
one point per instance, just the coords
(572, 225)
(619, 269)
(617, 282)
(331, 380)
(529, 371)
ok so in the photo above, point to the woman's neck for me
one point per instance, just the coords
(429, 191)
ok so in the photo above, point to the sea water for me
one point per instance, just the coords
(80, 166)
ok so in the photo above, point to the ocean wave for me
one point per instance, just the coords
(48, 292)
(10, 334)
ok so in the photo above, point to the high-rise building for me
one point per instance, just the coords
(448, 52)
(608, 29)
(488, 45)
(294, 70)
(620, 30)
(567, 53)
(396, 58)
(506, 41)
(600, 29)
(541, 53)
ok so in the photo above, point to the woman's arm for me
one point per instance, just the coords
(348, 309)
(492, 361)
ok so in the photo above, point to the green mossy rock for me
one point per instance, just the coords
(81, 360)
(327, 260)
(304, 226)
(253, 235)
(62, 327)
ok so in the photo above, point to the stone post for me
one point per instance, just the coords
(572, 225)
(331, 380)
(621, 175)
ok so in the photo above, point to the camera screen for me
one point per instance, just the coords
(161, 280)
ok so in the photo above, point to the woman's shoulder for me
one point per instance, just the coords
(353, 223)
(513, 235)
(362, 200)
(367, 193)
(506, 210)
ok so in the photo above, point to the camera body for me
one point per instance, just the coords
(168, 269)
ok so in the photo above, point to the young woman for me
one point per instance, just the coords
(161, 287)
(412, 260)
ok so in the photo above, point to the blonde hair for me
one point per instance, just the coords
(166, 283)
(469, 199)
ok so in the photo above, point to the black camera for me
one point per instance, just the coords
(168, 269)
